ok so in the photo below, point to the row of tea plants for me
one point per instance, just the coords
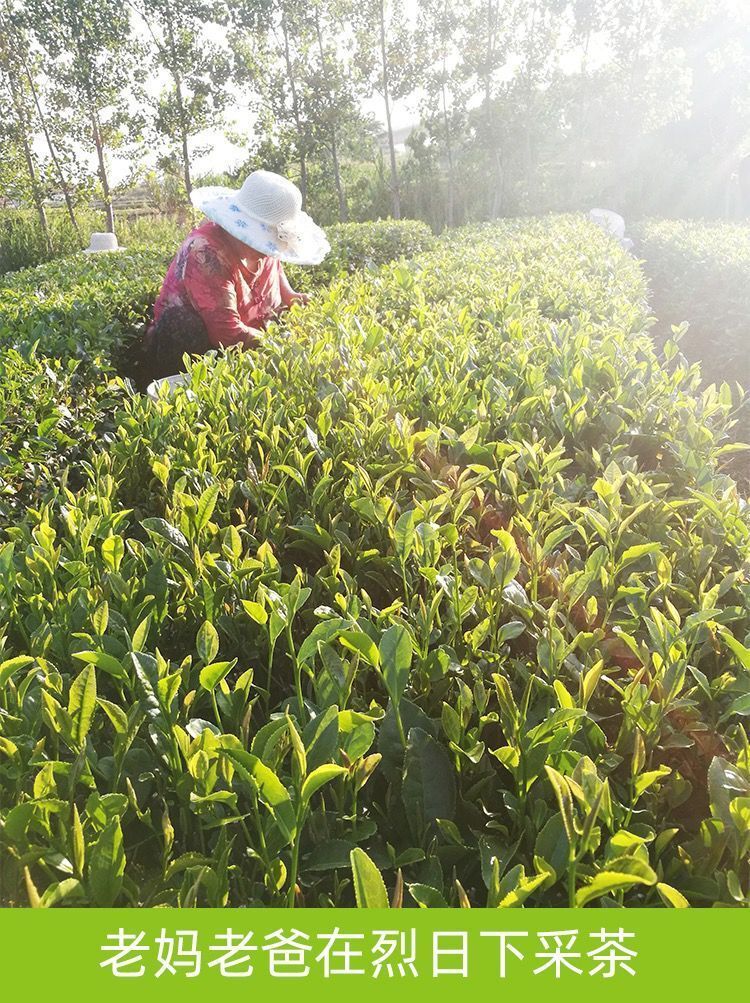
(441, 598)
(698, 272)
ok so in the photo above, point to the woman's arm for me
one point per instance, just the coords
(288, 296)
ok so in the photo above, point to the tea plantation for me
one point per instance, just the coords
(442, 597)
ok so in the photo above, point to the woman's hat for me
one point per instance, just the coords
(610, 221)
(266, 214)
(102, 242)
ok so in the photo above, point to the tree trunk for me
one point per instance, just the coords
(37, 196)
(174, 70)
(528, 140)
(10, 52)
(582, 116)
(36, 191)
(53, 154)
(186, 164)
(449, 194)
(96, 132)
(450, 198)
(102, 171)
(489, 54)
(343, 210)
(498, 186)
(395, 193)
(301, 144)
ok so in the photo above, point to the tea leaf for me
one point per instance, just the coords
(106, 865)
(11, 665)
(358, 641)
(369, 887)
(82, 703)
(206, 506)
(270, 789)
(395, 654)
(207, 642)
(320, 776)
(212, 674)
(606, 882)
(429, 786)
(108, 663)
(671, 897)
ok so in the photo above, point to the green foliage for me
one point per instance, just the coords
(698, 273)
(91, 306)
(441, 598)
(22, 242)
(364, 245)
(81, 307)
(50, 416)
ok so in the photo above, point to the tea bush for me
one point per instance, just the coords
(356, 246)
(90, 305)
(442, 596)
(370, 244)
(63, 326)
(81, 307)
(50, 416)
(353, 245)
(699, 273)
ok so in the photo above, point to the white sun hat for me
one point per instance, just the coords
(265, 213)
(611, 222)
(100, 242)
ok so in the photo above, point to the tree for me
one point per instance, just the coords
(26, 70)
(292, 25)
(489, 31)
(332, 88)
(198, 70)
(93, 58)
(16, 117)
(540, 37)
(387, 56)
(271, 48)
(309, 123)
(438, 29)
(62, 175)
(714, 133)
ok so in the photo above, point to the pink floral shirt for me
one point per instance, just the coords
(214, 274)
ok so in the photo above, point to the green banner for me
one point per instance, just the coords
(604, 954)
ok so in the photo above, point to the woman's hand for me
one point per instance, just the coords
(288, 296)
(255, 338)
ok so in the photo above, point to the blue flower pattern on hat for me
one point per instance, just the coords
(235, 208)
